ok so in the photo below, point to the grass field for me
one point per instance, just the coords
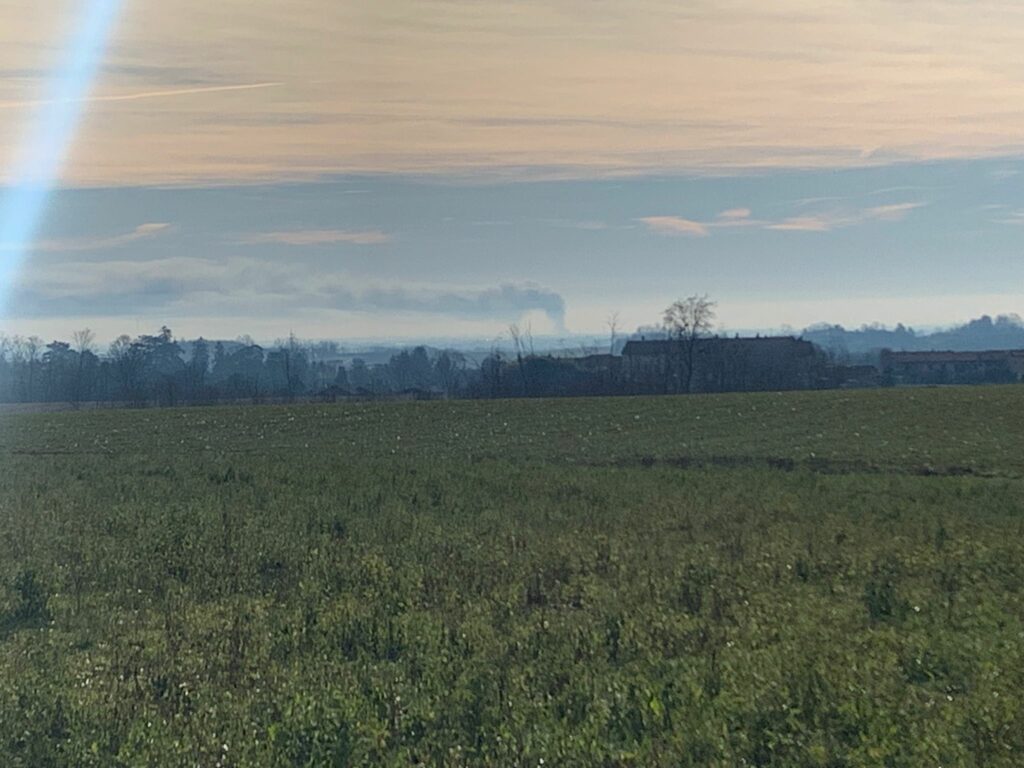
(807, 579)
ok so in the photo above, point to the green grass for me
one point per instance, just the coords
(808, 579)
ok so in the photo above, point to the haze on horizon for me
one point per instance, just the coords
(444, 168)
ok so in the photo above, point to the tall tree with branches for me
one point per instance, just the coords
(686, 321)
(83, 343)
(522, 342)
(613, 331)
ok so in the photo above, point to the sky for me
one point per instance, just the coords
(393, 169)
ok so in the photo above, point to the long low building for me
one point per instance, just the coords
(1005, 365)
(722, 364)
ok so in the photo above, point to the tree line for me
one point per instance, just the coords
(158, 369)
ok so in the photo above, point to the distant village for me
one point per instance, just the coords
(741, 364)
(158, 369)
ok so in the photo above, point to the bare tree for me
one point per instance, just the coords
(686, 321)
(522, 341)
(613, 331)
(83, 340)
(612, 372)
(83, 344)
(491, 368)
(127, 362)
(291, 354)
(449, 368)
(33, 349)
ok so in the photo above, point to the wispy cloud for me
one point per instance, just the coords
(735, 214)
(735, 217)
(585, 88)
(824, 221)
(827, 221)
(310, 237)
(1014, 218)
(817, 223)
(70, 244)
(143, 95)
(895, 212)
(589, 225)
(675, 225)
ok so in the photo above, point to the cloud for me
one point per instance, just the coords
(674, 225)
(1013, 218)
(818, 223)
(581, 86)
(64, 245)
(172, 76)
(896, 212)
(827, 221)
(318, 237)
(733, 218)
(238, 285)
(587, 225)
(146, 95)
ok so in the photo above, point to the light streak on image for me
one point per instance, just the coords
(46, 138)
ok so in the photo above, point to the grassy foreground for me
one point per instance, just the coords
(808, 579)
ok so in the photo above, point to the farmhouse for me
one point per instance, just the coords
(953, 367)
(722, 364)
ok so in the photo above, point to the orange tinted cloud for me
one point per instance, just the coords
(569, 86)
(674, 225)
(837, 219)
(822, 221)
(64, 245)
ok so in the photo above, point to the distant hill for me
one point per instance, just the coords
(1004, 332)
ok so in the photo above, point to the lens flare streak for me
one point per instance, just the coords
(49, 134)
